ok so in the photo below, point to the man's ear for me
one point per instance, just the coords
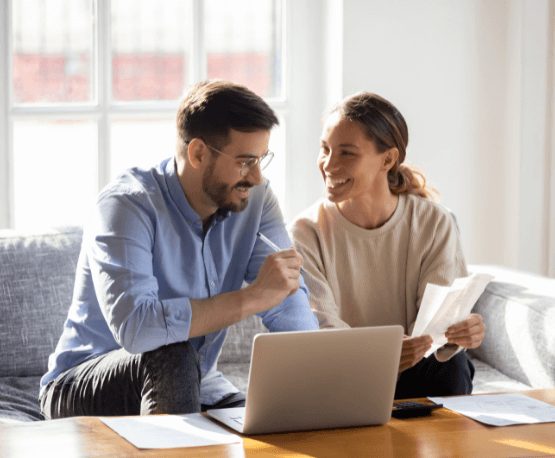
(196, 152)
(390, 158)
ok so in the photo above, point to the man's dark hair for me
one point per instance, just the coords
(211, 108)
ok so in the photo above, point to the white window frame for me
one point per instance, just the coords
(299, 129)
(5, 176)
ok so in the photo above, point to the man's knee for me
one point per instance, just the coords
(176, 360)
(171, 380)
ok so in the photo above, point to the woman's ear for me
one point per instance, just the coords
(196, 152)
(390, 158)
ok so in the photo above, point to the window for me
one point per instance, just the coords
(91, 87)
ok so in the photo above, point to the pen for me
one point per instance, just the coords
(272, 245)
(267, 241)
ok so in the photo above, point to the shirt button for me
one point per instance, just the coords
(212, 283)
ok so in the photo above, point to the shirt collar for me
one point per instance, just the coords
(180, 199)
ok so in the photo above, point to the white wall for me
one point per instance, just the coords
(473, 79)
(535, 178)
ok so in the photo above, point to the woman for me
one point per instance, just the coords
(378, 239)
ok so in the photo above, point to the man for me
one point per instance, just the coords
(162, 264)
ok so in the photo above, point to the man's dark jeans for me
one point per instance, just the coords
(165, 380)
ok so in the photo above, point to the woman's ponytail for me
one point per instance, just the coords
(406, 179)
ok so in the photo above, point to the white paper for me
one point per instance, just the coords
(500, 409)
(170, 431)
(443, 306)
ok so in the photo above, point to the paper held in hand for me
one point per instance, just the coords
(443, 306)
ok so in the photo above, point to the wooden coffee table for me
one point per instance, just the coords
(445, 433)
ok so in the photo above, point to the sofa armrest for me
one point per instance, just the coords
(37, 273)
(519, 314)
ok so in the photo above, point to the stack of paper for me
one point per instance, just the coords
(500, 409)
(443, 306)
(170, 431)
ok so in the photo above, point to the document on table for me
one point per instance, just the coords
(442, 306)
(500, 409)
(170, 431)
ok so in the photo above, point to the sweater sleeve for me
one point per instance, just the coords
(442, 264)
(306, 239)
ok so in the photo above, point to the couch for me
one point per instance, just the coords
(36, 283)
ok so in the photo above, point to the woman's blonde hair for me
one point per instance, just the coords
(386, 127)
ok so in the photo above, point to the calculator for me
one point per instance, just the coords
(408, 409)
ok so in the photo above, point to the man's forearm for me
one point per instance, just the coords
(212, 314)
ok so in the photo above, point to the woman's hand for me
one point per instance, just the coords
(468, 333)
(413, 350)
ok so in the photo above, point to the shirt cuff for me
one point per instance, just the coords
(446, 352)
(177, 313)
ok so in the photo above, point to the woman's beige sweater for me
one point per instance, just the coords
(360, 277)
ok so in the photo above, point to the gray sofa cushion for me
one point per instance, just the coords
(238, 343)
(519, 313)
(489, 380)
(36, 281)
(234, 361)
(18, 398)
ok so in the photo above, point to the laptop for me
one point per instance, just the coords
(307, 380)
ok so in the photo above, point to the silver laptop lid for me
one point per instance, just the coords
(322, 379)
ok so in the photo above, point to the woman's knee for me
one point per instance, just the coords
(458, 375)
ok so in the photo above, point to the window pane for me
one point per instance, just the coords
(150, 40)
(275, 172)
(52, 50)
(243, 43)
(141, 142)
(54, 172)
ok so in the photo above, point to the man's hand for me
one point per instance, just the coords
(468, 333)
(413, 350)
(277, 278)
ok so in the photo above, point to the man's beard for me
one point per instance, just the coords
(220, 192)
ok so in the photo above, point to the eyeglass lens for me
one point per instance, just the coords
(265, 160)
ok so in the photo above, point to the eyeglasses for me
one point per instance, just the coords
(245, 164)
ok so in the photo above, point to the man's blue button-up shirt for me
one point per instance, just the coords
(145, 256)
